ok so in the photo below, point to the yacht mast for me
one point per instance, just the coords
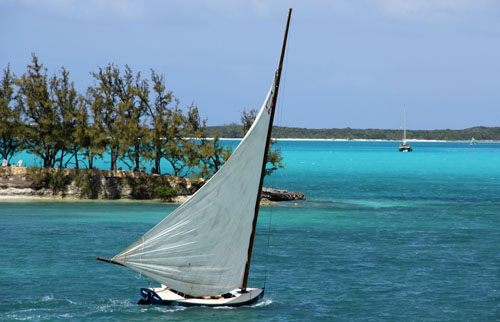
(404, 124)
(268, 141)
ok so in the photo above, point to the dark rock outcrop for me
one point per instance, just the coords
(270, 194)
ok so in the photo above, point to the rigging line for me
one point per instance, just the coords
(268, 244)
(280, 107)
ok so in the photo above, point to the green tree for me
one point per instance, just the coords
(119, 105)
(104, 100)
(206, 155)
(132, 109)
(10, 118)
(194, 129)
(274, 158)
(175, 142)
(180, 138)
(66, 102)
(247, 119)
(162, 118)
(41, 135)
(88, 135)
(213, 156)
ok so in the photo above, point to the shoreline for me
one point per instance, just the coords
(20, 184)
(19, 198)
(23, 183)
(364, 140)
(179, 200)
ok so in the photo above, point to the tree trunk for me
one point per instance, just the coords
(46, 161)
(76, 160)
(61, 160)
(137, 160)
(114, 157)
(157, 159)
(112, 160)
(157, 165)
(90, 160)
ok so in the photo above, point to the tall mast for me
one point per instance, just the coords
(404, 124)
(268, 142)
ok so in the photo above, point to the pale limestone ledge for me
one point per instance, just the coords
(26, 195)
(16, 184)
(19, 195)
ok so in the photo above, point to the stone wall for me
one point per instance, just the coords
(106, 184)
(89, 184)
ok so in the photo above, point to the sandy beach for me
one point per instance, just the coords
(362, 140)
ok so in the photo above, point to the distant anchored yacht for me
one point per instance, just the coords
(404, 146)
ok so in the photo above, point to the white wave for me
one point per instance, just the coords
(223, 307)
(164, 309)
(13, 316)
(110, 305)
(265, 302)
(118, 302)
(48, 298)
(259, 303)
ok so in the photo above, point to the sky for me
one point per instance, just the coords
(350, 63)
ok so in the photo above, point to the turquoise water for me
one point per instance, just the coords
(382, 236)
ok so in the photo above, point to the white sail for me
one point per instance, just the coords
(201, 248)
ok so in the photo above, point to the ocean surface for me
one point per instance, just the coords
(383, 235)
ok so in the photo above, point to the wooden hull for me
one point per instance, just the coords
(165, 296)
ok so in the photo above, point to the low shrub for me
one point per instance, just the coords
(166, 192)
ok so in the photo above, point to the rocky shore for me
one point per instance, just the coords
(270, 194)
(19, 182)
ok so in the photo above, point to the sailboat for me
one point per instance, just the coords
(201, 252)
(404, 146)
(473, 141)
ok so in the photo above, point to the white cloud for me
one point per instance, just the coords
(433, 10)
(239, 8)
(86, 9)
(421, 10)
(413, 10)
